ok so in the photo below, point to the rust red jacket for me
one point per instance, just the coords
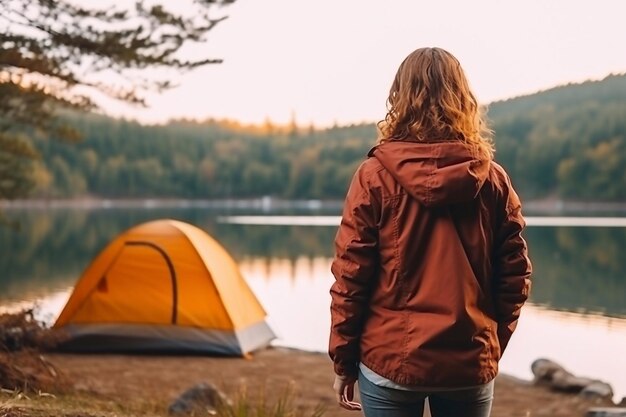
(431, 269)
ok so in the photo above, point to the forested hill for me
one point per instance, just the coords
(568, 142)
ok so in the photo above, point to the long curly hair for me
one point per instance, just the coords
(430, 100)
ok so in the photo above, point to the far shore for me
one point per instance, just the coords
(270, 204)
(89, 203)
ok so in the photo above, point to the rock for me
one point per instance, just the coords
(552, 374)
(543, 369)
(606, 412)
(597, 389)
(564, 381)
(204, 398)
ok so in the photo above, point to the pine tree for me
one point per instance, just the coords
(54, 54)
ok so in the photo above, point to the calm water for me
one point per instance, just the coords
(577, 315)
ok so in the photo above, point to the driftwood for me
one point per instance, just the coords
(606, 412)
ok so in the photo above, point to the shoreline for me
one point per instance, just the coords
(268, 203)
(142, 385)
(263, 203)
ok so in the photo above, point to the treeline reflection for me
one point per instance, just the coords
(579, 268)
(576, 269)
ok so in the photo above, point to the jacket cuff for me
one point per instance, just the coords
(346, 369)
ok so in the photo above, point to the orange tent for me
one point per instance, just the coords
(164, 285)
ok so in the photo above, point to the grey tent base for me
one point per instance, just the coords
(150, 338)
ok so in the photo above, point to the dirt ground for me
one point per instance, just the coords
(124, 385)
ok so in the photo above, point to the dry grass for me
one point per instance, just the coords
(28, 371)
(20, 331)
(73, 404)
(18, 404)
(23, 368)
(259, 406)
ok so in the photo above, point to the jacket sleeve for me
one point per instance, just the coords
(512, 267)
(354, 267)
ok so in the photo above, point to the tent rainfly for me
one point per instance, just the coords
(164, 286)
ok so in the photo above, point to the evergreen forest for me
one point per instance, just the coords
(568, 142)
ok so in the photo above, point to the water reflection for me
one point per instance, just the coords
(295, 295)
(579, 269)
(52, 247)
(576, 269)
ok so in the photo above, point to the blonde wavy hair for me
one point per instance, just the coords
(430, 100)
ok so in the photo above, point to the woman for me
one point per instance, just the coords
(431, 269)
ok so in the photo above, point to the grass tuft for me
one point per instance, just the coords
(260, 406)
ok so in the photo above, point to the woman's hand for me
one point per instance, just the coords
(344, 392)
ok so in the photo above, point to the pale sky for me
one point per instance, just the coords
(331, 61)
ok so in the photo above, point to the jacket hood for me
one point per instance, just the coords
(435, 173)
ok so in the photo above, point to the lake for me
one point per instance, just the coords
(577, 313)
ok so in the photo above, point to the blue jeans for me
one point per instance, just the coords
(387, 402)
